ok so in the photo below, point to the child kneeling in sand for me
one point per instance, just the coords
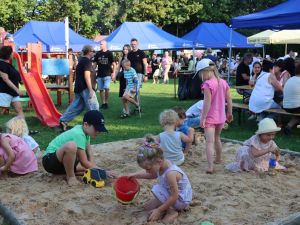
(18, 126)
(71, 152)
(256, 152)
(173, 193)
(16, 156)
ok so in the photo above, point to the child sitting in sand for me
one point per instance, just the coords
(71, 152)
(184, 128)
(173, 193)
(170, 140)
(256, 152)
(16, 156)
(18, 126)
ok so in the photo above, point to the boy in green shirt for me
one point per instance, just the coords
(71, 152)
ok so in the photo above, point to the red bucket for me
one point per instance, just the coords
(126, 189)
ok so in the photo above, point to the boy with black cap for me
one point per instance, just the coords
(71, 152)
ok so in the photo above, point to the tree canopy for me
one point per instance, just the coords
(91, 17)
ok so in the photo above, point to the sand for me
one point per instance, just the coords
(222, 198)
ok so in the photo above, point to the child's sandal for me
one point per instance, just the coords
(124, 115)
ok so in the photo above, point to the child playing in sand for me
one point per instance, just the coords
(71, 152)
(173, 192)
(213, 117)
(130, 91)
(256, 152)
(170, 140)
(18, 126)
(15, 155)
(184, 128)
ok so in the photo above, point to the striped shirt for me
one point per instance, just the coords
(130, 75)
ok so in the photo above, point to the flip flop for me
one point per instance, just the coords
(33, 132)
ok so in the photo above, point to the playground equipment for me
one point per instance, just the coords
(41, 101)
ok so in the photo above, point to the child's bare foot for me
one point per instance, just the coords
(72, 181)
(210, 171)
(218, 161)
(170, 216)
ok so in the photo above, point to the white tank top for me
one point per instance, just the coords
(262, 95)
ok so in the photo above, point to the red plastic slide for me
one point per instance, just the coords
(37, 91)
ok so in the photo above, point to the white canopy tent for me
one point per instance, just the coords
(276, 37)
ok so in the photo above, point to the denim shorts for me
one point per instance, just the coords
(103, 82)
(6, 99)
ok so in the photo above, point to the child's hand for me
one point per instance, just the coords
(202, 123)
(229, 118)
(111, 174)
(155, 215)
(277, 152)
(3, 168)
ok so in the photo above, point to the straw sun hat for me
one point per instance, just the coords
(267, 125)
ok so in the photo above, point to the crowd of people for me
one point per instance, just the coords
(274, 84)
(70, 153)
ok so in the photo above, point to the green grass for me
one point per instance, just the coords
(155, 98)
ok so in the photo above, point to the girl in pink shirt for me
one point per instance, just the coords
(16, 156)
(213, 117)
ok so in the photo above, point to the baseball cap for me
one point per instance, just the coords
(204, 63)
(95, 118)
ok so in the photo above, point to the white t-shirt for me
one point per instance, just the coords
(291, 93)
(195, 110)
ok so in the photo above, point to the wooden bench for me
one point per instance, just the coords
(241, 106)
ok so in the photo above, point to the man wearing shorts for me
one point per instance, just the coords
(106, 67)
(9, 82)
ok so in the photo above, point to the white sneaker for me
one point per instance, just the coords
(252, 117)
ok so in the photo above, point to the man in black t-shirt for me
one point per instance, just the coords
(85, 96)
(106, 67)
(243, 75)
(9, 82)
(138, 61)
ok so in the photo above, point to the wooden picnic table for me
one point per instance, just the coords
(244, 87)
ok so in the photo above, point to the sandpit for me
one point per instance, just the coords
(221, 198)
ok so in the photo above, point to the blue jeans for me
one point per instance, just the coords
(193, 122)
(80, 102)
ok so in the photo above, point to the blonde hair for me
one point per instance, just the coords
(126, 62)
(150, 153)
(17, 126)
(168, 117)
(213, 71)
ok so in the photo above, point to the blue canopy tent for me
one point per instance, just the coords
(51, 35)
(150, 37)
(279, 17)
(217, 35)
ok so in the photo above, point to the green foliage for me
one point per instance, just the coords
(90, 17)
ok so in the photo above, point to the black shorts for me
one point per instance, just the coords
(53, 165)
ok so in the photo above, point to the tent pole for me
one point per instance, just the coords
(194, 60)
(285, 51)
(230, 53)
(67, 35)
(264, 52)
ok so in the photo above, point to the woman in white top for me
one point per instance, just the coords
(262, 95)
(291, 99)
(166, 65)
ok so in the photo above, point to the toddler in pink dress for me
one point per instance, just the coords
(16, 156)
(256, 152)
